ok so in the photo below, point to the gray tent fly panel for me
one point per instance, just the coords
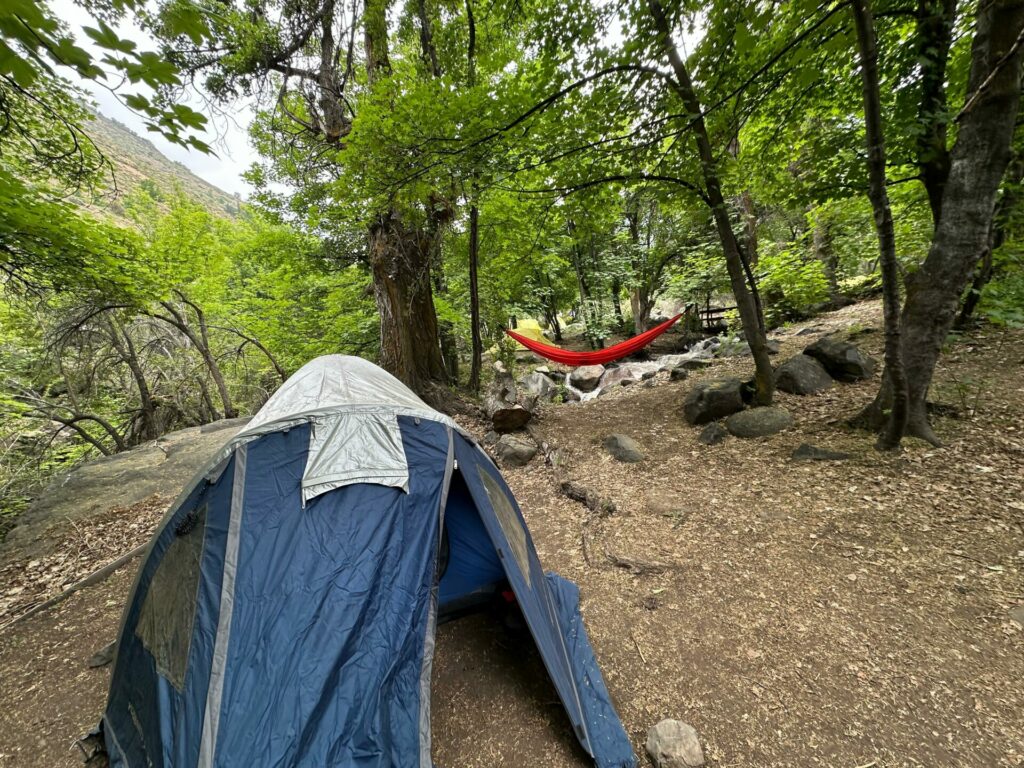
(285, 614)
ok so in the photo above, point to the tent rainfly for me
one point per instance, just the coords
(286, 611)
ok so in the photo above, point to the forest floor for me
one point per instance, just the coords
(851, 613)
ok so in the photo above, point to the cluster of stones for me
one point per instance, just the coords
(815, 370)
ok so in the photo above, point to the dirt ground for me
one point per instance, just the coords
(847, 614)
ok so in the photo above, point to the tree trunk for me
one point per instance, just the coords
(977, 163)
(400, 260)
(125, 347)
(739, 270)
(934, 33)
(867, 43)
(1007, 204)
(474, 298)
(617, 302)
(825, 252)
(202, 344)
(409, 346)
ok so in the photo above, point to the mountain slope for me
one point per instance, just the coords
(137, 163)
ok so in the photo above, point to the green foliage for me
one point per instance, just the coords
(792, 283)
(35, 46)
(1002, 300)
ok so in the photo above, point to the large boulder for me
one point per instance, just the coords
(841, 359)
(540, 385)
(759, 422)
(507, 408)
(623, 448)
(586, 378)
(712, 400)
(515, 450)
(802, 375)
(674, 744)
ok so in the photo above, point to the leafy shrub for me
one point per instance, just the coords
(791, 284)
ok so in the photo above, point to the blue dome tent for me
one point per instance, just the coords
(286, 611)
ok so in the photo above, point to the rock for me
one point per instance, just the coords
(160, 466)
(570, 396)
(505, 407)
(102, 657)
(712, 434)
(808, 331)
(802, 375)
(759, 422)
(733, 348)
(841, 359)
(491, 438)
(1017, 615)
(540, 385)
(619, 375)
(515, 451)
(648, 375)
(674, 744)
(678, 373)
(623, 448)
(695, 364)
(542, 369)
(627, 382)
(526, 356)
(586, 378)
(773, 346)
(556, 376)
(808, 452)
(711, 400)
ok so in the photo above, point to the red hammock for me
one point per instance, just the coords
(600, 356)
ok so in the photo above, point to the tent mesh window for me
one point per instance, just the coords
(168, 611)
(509, 521)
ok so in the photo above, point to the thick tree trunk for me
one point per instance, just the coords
(867, 43)
(977, 164)
(1007, 204)
(474, 298)
(400, 262)
(641, 304)
(739, 270)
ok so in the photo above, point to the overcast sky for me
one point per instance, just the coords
(228, 136)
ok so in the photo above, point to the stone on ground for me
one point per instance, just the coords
(541, 385)
(759, 422)
(623, 448)
(802, 375)
(808, 452)
(678, 373)
(623, 374)
(515, 451)
(695, 364)
(712, 434)
(507, 407)
(841, 359)
(674, 744)
(712, 400)
(585, 378)
(1017, 615)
